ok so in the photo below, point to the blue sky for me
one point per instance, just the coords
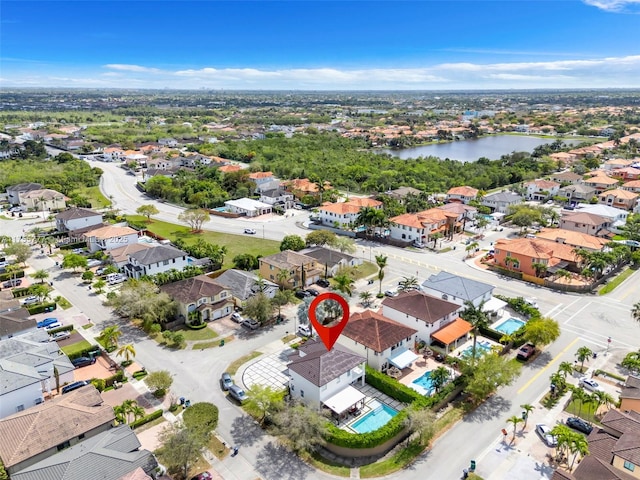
(325, 45)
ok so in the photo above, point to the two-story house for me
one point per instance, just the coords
(424, 313)
(243, 285)
(632, 186)
(419, 227)
(43, 200)
(264, 181)
(200, 298)
(277, 197)
(158, 259)
(110, 237)
(30, 436)
(540, 190)
(77, 219)
(585, 223)
(463, 194)
(298, 270)
(626, 174)
(382, 341)
(601, 183)
(318, 376)
(617, 216)
(14, 191)
(457, 289)
(331, 261)
(567, 178)
(345, 214)
(618, 198)
(248, 207)
(577, 193)
(578, 240)
(114, 154)
(168, 142)
(524, 254)
(501, 201)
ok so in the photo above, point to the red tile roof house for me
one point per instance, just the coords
(463, 194)
(345, 214)
(382, 341)
(618, 198)
(520, 255)
(541, 190)
(627, 173)
(422, 225)
(633, 186)
(601, 183)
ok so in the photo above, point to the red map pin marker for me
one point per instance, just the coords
(329, 335)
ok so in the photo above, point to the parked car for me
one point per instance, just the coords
(53, 326)
(59, 336)
(250, 323)
(74, 386)
(312, 291)
(589, 384)
(14, 282)
(323, 283)
(114, 278)
(545, 435)
(302, 294)
(203, 476)
(226, 381)
(304, 330)
(249, 231)
(391, 293)
(236, 317)
(30, 300)
(579, 424)
(46, 322)
(83, 361)
(419, 244)
(525, 352)
(237, 393)
(531, 302)
(93, 263)
(100, 270)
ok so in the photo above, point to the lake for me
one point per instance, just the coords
(492, 147)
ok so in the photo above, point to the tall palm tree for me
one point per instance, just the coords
(635, 312)
(527, 410)
(127, 351)
(578, 445)
(439, 377)
(580, 396)
(343, 283)
(583, 354)
(600, 398)
(137, 411)
(565, 368)
(110, 336)
(477, 317)
(282, 277)
(515, 420)
(365, 298)
(381, 261)
(41, 275)
(408, 283)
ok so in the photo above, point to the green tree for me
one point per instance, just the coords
(365, 298)
(345, 245)
(439, 377)
(74, 261)
(584, 353)
(282, 298)
(258, 307)
(264, 400)
(301, 427)
(292, 242)
(181, 447)
(343, 282)
(159, 381)
(381, 261)
(41, 275)
(195, 218)
(541, 331)
(127, 351)
(578, 445)
(202, 416)
(489, 372)
(87, 276)
(631, 361)
(408, 283)
(478, 319)
(245, 261)
(421, 421)
(147, 211)
(142, 299)
(21, 251)
(565, 368)
(527, 409)
(110, 336)
(514, 420)
(98, 286)
(40, 290)
(320, 238)
(581, 397)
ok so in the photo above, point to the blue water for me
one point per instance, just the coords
(375, 419)
(425, 382)
(221, 209)
(481, 349)
(510, 325)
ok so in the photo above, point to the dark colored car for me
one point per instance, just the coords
(74, 386)
(250, 323)
(237, 393)
(526, 351)
(323, 283)
(82, 361)
(579, 424)
(14, 282)
(203, 476)
(312, 291)
(302, 294)
(226, 381)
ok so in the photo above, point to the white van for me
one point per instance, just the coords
(114, 278)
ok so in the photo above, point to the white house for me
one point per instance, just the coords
(424, 313)
(277, 196)
(43, 200)
(501, 201)
(168, 142)
(248, 207)
(345, 214)
(75, 218)
(462, 194)
(456, 289)
(113, 154)
(264, 181)
(541, 189)
(14, 191)
(110, 237)
(617, 216)
(317, 375)
(382, 341)
(152, 261)
(26, 370)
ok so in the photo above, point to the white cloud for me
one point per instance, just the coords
(617, 6)
(132, 68)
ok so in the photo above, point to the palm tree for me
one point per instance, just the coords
(127, 351)
(381, 261)
(110, 336)
(41, 275)
(579, 395)
(527, 410)
(635, 312)
(477, 317)
(563, 434)
(563, 273)
(407, 284)
(600, 398)
(128, 406)
(583, 354)
(343, 283)
(558, 380)
(137, 411)
(578, 445)
(439, 377)
(365, 298)
(515, 420)
(121, 414)
(282, 277)
(565, 368)
(540, 268)
(507, 339)
(471, 247)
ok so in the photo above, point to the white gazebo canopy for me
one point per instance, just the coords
(402, 358)
(494, 305)
(344, 400)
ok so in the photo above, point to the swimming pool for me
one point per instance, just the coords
(425, 382)
(509, 326)
(374, 419)
(481, 349)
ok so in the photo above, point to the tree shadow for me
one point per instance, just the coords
(244, 430)
(275, 461)
(544, 469)
(494, 407)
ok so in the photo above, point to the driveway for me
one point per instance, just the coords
(270, 371)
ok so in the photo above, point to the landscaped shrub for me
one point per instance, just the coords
(71, 246)
(99, 383)
(118, 377)
(64, 328)
(391, 386)
(8, 276)
(89, 351)
(149, 418)
(201, 415)
(139, 374)
(43, 307)
(193, 326)
(519, 305)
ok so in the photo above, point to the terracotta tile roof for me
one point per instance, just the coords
(110, 231)
(464, 191)
(453, 331)
(619, 193)
(287, 259)
(364, 202)
(534, 248)
(418, 220)
(229, 168)
(256, 175)
(585, 218)
(424, 307)
(37, 429)
(567, 176)
(544, 184)
(632, 184)
(575, 239)
(457, 208)
(121, 254)
(376, 331)
(601, 180)
(352, 206)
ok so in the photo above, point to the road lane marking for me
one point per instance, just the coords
(546, 367)
(577, 313)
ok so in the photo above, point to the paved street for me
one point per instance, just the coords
(585, 320)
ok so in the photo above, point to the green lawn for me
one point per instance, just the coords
(94, 195)
(197, 335)
(74, 348)
(586, 412)
(609, 287)
(212, 343)
(234, 366)
(236, 244)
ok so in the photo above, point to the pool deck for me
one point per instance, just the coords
(372, 400)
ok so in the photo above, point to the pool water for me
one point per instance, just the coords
(481, 349)
(425, 382)
(374, 419)
(509, 326)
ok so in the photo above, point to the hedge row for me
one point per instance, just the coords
(342, 438)
(149, 418)
(71, 246)
(43, 307)
(8, 276)
(391, 386)
(85, 352)
(20, 292)
(64, 328)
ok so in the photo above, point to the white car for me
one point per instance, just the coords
(304, 330)
(589, 384)
(59, 336)
(545, 435)
(236, 317)
(391, 293)
(249, 231)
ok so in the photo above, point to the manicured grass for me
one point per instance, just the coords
(94, 195)
(87, 326)
(216, 447)
(400, 460)
(609, 287)
(236, 244)
(234, 366)
(195, 335)
(326, 465)
(586, 412)
(63, 302)
(212, 344)
(75, 347)
(288, 338)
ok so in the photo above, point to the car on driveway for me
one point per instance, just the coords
(391, 293)
(304, 330)
(53, 326)
(30, 300)
(302, 294)
(14, 282)
(83, 362)
(312, 291)
(579, 424)
(236, 317)
(46, 322)
(250, 323)
(203, 476)
(545, 434)
(589, 384)
(237, 393)
(525, 352)
(323, 283)
(226, 381)
(59, 336)
(250, 231)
